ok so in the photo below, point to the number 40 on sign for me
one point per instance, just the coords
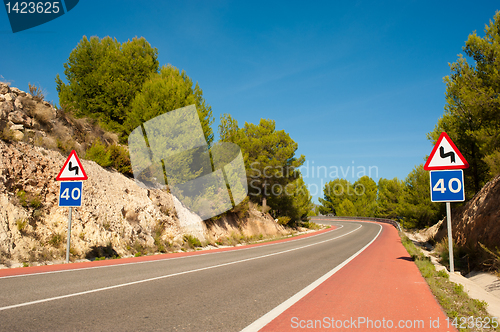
(70, 193)
(447, 186)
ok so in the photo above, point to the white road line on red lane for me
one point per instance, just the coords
(271, 315)
(168, 275)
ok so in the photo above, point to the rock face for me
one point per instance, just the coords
(479, 219)
(115, 211)
(117, 217)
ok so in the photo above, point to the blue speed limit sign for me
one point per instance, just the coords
(447, 186)
(70, 193)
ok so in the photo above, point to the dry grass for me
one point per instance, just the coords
(36, 92)
(452, 297)
(44, 115)
(468, 259)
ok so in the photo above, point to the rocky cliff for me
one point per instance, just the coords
(117, 217)
(479, 219)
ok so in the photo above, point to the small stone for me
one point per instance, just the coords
(4, 88)
(18, 135)
(17, 127)
(18, 104)
(5, 109)
(17, 117)
(9, 96)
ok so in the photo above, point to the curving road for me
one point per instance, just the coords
(209, 291)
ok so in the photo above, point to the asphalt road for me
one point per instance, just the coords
(224, 291)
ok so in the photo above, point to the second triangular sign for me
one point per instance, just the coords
(445, 155)
(72, 169)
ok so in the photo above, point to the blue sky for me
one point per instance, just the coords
(356, 83)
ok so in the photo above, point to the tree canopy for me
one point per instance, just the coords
(416, 206)
(166, 91)
(390, 196)
(103, 78)
(271, 166)
(344, 198)
(472, 110)
(409, 199)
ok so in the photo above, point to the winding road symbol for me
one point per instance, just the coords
(75, 168)
(72, 169)
(443, 155)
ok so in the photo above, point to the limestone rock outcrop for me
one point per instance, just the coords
(479, 219)
(117, 217)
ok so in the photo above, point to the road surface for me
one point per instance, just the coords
(207, 291)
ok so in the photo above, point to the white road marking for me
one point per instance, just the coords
(166, 258)
(271, 315)
(168, 275)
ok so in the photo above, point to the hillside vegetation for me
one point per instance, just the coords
(472, 120)
(121, 86)
(117, 217)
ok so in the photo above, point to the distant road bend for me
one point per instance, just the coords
(209, 291)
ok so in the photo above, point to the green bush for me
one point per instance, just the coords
(98, 153)
(192, 241)
(114, 155)
(310, 225)
(21, 225)
(35, 203)
(284, 220)
(21, 195)
(56, 240)
(120, 159)
(29, 200)
(65, 145)
(443, 274)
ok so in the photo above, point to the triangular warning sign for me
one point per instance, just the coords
(445, 155)
(72, 169)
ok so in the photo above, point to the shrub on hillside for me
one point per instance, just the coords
(284, 220)
(36, 92)
(120, 159)
(113, 155)
(99, 153)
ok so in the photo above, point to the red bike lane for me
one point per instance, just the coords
(379, 290)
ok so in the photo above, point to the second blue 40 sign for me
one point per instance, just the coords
(447, 186)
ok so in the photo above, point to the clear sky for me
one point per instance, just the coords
(354, 83)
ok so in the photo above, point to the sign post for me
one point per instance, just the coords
(70, 190)
(68, 242)
(447, 180)
(450, 237)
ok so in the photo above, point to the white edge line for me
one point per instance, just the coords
(169, 275)
(166, 258)
(271, 315)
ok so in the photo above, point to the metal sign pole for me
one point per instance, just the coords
(69, 235)
(450, 239)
